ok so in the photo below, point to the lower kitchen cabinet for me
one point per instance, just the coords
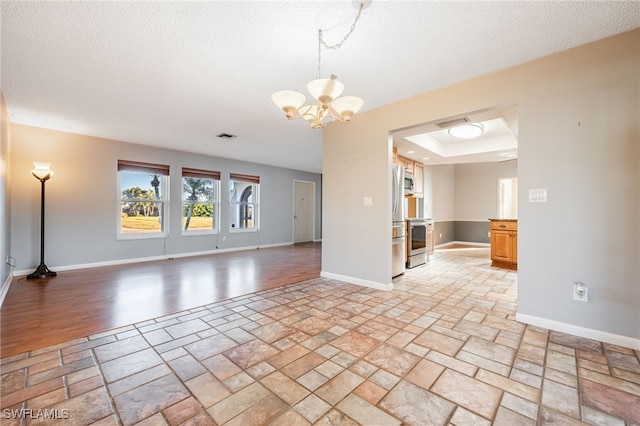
(504, 243)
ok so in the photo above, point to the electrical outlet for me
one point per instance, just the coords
(580, 292)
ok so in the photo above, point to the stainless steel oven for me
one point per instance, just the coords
(416, 242)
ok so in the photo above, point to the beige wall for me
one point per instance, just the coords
(578, 137)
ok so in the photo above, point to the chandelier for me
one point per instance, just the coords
(327, 105)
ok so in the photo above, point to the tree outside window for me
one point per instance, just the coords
(142, 197)
(243, 202)
(200, 200)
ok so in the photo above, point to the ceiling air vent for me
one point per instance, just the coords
(454, 122)
(226, 136)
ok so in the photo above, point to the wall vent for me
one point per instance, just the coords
(454, 122)
(225, 136)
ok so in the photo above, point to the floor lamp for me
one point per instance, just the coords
(42, 172)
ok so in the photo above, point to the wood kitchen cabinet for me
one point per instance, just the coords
(504, 243)
(406, 163)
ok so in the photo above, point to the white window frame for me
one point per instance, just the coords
(209, 175)
(145, 168)
(255, 204)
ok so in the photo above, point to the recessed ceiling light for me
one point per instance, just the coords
(410, 152)
(467, 131)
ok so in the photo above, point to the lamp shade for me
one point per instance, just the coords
(288, 98)
(347, 105)
(325, 87)
(42, 171)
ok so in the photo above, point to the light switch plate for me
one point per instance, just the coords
(368, 201)
(538, 195)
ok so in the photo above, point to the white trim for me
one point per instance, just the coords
(450, 243)
(357, 281)
(151, 258)
(5, 288)
(589, 333)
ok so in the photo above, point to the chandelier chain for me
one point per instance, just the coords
(353, 27)
(336, 46)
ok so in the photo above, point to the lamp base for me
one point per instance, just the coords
(42, 271)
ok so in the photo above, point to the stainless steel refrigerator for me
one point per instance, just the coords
(398, 242)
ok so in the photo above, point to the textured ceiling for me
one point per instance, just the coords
(175, 74)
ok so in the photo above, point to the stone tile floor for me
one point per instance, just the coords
(442, 348)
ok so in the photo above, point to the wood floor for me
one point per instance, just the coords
(39, 313)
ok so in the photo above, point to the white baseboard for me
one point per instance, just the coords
(5, 288)
(357, 281)
(601, 336)
(450, 243)
(149, 259)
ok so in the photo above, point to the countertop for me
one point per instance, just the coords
(503, 220)
(419, 219)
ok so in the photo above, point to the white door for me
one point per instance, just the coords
(303, 211)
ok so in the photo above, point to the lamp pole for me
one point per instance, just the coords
(42, 173)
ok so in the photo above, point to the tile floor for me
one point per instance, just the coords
(442, 348)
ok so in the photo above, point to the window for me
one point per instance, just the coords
(142, 189)
(243, 202)
(200, 201)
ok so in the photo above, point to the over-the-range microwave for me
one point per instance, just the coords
(408, 183)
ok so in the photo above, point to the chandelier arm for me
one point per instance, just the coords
(306, 113)
(337, 116)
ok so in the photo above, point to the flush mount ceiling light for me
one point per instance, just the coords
(467, 131)
(327, 105)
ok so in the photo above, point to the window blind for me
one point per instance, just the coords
(141, 167)
(244, 178)
(200, 174)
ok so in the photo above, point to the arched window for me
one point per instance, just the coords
(245, 210)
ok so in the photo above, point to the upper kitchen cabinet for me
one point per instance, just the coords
(418, 179)
(406, 163)
(409, 165)
(413, 167)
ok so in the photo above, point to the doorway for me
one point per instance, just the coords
(508, 198)
(303, 211)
